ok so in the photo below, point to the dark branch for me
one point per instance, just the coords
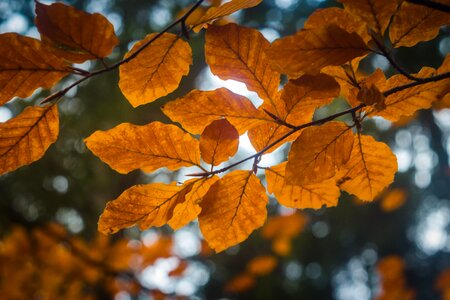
(431, 4)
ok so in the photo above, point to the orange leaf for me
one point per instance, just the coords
(262, 265)
(371, 168)
(157, 70)
(267, 133)
(416, 23)
(238, 53)
(309, 50)
(25, 138)
(318, 152)
(393, 200)
(240, 283)
(233, 207)
(25, 65)
(76, 35)
(128, 147)
(376, 13)
(199, 108)
(371, 95)
(306, 196)
(147, 205)
(284, 226)
(218, 142)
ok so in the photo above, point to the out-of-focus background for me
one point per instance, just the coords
(334, 255)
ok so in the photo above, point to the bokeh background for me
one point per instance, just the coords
(335, 255)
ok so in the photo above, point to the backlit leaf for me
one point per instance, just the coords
(309, 50)
(262, 265)
(218, 142)
(314, 195)
(76, 35)
(146, 205)
(157, 70)
(267, 133)
(376, 13)
(199, 108)
(25, 65)
(416, 23)
(25, 138)
(238, 53)
(232, 209)
(127, 147)
(318, 152)
(393, 200)
(370, 169)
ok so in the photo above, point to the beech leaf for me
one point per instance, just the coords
(218, 142)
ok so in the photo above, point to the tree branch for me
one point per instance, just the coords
(431, 4)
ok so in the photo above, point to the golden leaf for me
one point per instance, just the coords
(156, 145)
(25, 65)
(238, 53)
(25, 138)
(157, 70)
(376, 13)
(232, 209)
(314, 195)
(416, 23)
(76, 35)
(199, 108)
(370, 169)
(267, 133)
(146, 205)
(218, 142)
(309, 50)
(262, 265)
(187, 211)
(318, 152)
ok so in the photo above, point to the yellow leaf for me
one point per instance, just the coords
(146, 205)
(76, 35)
(156, 145)
(238, 53)
(218, 142)
(262, 265)
(25, 138)
(416, 23)
(222, 11)
(25, 65)
(232, 209)
(199, 108)
(371, 168)
(187, 211)
(375, 13)
(309, 50)
(393, 200)
(306, 196)
(318, 152)
(157, 70)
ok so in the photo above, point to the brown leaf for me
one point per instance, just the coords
(238, 53)
(314, 195)
(128, 147)
(76, 35)
(157, 70)
(218, 142)
(318, 152)
(309, 50)
(370, 169)
(416, 23)
(232, 209)
(199, 108)
(25, 65)
(25, 138)
(371, 95)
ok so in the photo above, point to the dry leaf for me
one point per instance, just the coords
(218, 142)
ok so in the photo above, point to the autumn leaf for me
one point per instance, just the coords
(146, 205)
(76, 35)
(371, 96)
(375, 13)
(269, 132)
(128, 147)
(318, 152)
(240, 283)
(232, 209)
(309, 50)
(199, 108)
(157, 70)
(262, 265)
(416, 23)
(218, 142)
(23, 71)
(393, 200)
(370, 169)
(26, 137)
(314, 195)
(238, 53)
